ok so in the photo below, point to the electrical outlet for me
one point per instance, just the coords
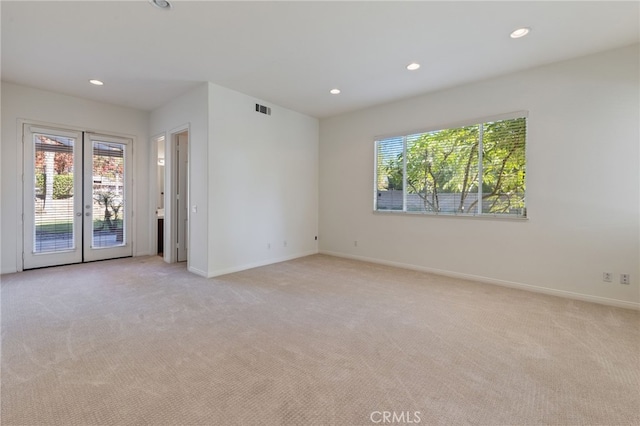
(268, 246)
(284, 243)
(624, 279)
(607, 277)
(355, 243)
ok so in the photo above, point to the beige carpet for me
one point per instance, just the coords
(317, 340)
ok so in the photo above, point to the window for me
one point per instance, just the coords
(470, 170)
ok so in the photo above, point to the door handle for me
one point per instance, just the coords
(78, 214)
(87, 214)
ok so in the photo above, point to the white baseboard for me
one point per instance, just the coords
(197, 271)
(258, 264)
(8, 271)
(503, 283)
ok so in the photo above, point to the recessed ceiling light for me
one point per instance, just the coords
(334, 91)
(161, 4)
(96, 82)
(413, 66)
(520, 32)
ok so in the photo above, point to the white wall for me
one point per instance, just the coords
(582, 182)
(263, 183)
(20, 102)
(189, 109)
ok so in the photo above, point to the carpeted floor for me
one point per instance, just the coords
(317, 340)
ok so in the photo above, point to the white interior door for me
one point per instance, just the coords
(182, 226)
(76, 197)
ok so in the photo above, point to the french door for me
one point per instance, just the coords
(77, 197)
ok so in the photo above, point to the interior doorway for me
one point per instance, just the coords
(159, 196)
(76, 196)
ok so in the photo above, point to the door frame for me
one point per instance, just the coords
(20, 211)
(170, 190)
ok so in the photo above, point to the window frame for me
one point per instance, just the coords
(465, 123)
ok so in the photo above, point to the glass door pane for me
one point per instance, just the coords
(108, 194)
(54, 195)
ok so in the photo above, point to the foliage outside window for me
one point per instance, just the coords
(471, 170)
(62, 176)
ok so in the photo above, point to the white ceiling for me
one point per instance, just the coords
(292, 53)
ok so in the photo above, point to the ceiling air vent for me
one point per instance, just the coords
(263, 109)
